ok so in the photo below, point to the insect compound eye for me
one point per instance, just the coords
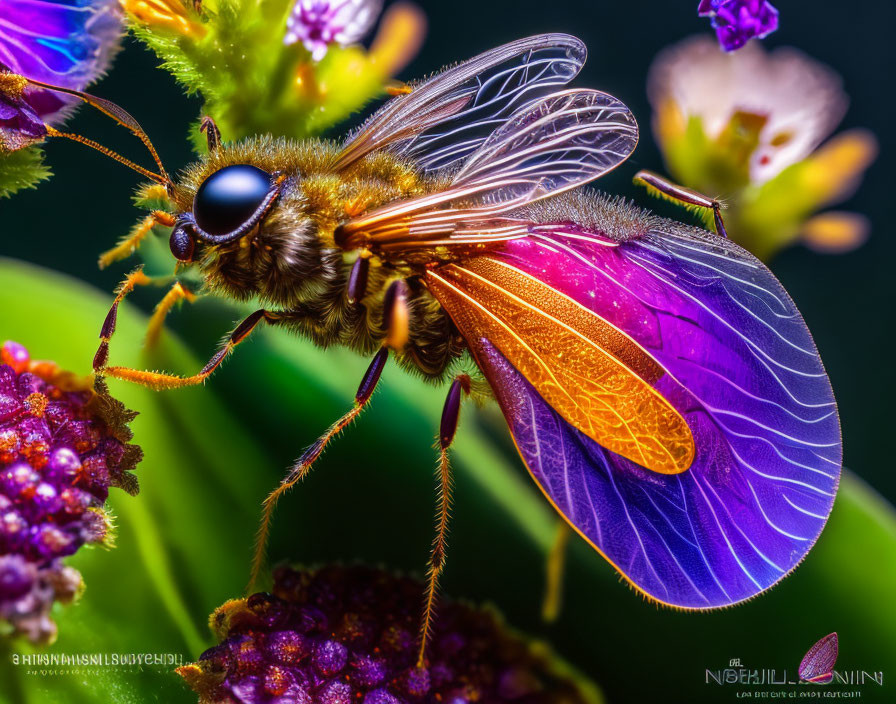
(182, 243)
(229, 198)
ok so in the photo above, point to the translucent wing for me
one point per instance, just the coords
(726, 348)
(818, 664)
(557, 143)
(447, 117)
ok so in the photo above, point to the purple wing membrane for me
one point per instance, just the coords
(744, 372)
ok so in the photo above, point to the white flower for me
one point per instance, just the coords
(800, 100)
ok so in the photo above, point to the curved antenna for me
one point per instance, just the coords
(122, 117)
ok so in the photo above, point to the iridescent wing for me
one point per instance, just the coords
(559, 142)
(447, 117)
(818, 664)
(708, 328)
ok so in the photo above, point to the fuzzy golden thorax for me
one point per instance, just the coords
(290, 258)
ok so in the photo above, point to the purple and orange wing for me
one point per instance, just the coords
(704, 368)
(64, 43)
(660, 385)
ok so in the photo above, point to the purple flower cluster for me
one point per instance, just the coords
(61, 447)
(738, 21)
(346, 635)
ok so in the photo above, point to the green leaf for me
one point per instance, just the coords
(22, 169)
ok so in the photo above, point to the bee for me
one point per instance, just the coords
(660, 385)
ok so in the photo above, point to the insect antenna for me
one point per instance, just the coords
(123, 118)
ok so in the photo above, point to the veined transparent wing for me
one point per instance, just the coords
(448, 116)
(557, 143)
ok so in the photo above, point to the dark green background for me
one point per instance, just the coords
(352, 507)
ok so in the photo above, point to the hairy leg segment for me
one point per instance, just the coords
(127, 246)
(160, 380)
(460, 387)
(154, 329)
(395, 321)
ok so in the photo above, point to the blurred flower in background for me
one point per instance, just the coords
(738, 21)
(349, 634)
(748, 128)
(314, 76)
(319, 23)
(62, 445)
(166, 15)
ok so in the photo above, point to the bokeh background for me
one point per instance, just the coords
(213, 452)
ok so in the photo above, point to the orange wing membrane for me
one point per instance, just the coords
(594, 375)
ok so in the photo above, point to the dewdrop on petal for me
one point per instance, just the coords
(62, 445)
(340, 635)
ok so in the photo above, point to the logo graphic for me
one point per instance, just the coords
(816, 668)
(818, 664)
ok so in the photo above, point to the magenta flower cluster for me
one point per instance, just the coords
(61, 448)
(346, 635)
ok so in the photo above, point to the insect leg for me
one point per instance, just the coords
(135, 278)
(664, 188)
(176, 293)
(554, 569)
(357, 279)
(158, 380)
(450, 415)
(303, 465)
(129, 244)
(154, 329)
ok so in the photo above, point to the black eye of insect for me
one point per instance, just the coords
(229, 198)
